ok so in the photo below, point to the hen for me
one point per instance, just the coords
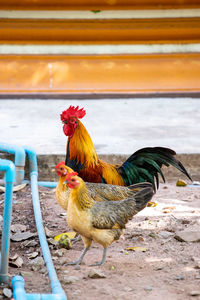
(143, 165)
(98, 192)
(102, 222)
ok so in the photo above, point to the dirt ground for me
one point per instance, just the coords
(166, 268)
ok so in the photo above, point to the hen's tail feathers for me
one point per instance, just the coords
(143, 197)
(140, 185)
(146, 163)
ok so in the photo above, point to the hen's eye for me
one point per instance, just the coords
(61, 169)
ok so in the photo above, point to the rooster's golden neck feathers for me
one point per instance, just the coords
(81, 147)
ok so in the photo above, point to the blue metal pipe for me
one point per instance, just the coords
(57, 291)
(8, 167)
(20, 156)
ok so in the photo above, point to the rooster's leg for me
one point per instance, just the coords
(78, 261)
(101, 263)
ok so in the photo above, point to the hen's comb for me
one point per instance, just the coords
(59, 164)
(69, 175)
(73, 111)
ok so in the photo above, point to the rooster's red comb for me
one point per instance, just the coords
(73, 111)
(59, 164)
(69, 175)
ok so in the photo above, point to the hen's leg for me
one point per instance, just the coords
(101, 263)
(79, 260)
(87, 243)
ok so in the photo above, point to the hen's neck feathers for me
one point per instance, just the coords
(81, 197)
(62, 193)
(81, 147)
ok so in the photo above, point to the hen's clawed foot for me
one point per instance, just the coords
(98, 263)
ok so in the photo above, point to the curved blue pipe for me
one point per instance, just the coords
(19, 293)
(20, 156)
(8, 167)
(57, 291)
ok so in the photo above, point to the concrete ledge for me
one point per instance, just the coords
(47, 163)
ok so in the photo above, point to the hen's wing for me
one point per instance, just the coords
(112, 214)
(108, 192)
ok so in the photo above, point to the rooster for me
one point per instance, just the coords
(143, 165)
(102, 222)
(98, 192)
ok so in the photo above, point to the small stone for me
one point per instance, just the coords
(21, 236)
(127, 289)
(77, 267)
(63, 260)
(16, 263)
(194, 293)
(43, 271)
(7, 292)
(69, 279)
(165, 234)
(96, 274)
(32, 255)
(63, 214)
(30, 243)
(188, 236)
(26, 274)
(51, 241)
(18, 228)
(60, 252)
(49, 233)
(37, 263)
(148, 288)
(158, 268)
(179, 277)
(196, 182)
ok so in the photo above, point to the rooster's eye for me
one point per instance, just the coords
(65, 122)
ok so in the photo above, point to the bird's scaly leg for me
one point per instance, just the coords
(76, 239)
(101, 263)
(78, 261)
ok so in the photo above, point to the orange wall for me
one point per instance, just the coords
(95, 4)
(100, 31)
(133, 74)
